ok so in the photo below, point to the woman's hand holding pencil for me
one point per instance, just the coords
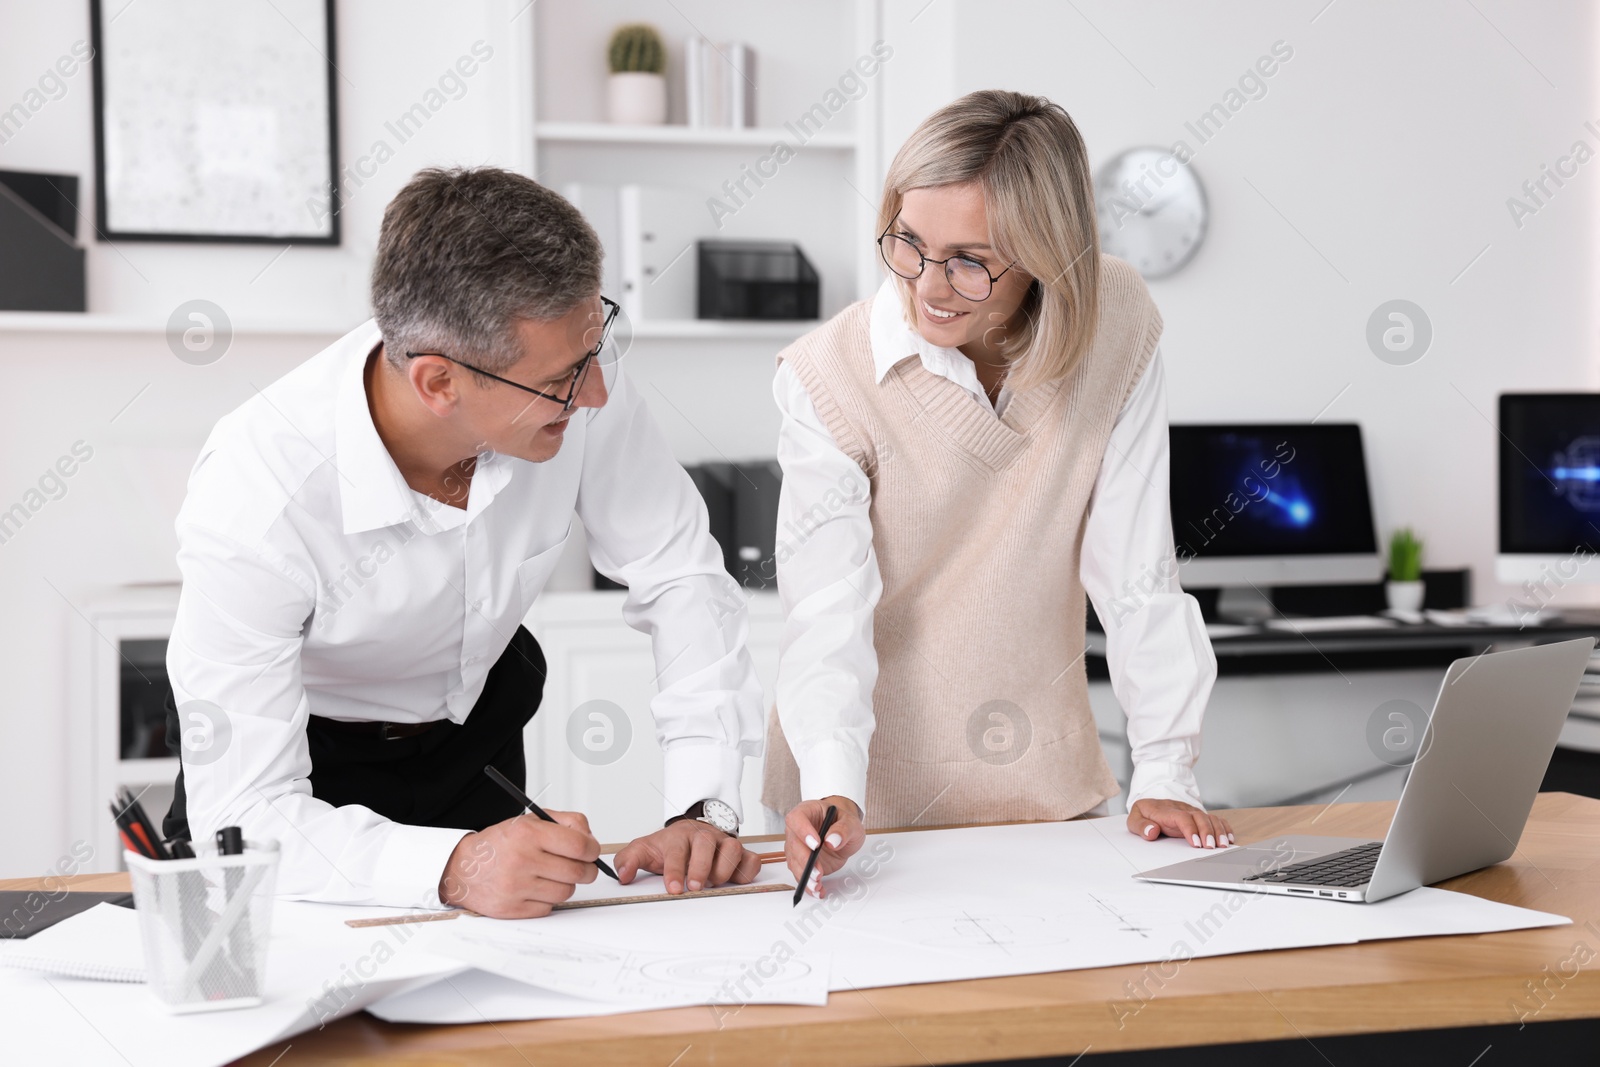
(844, 837)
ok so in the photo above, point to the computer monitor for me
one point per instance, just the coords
(1549, 487)
(1272, 504)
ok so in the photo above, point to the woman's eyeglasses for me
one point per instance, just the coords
(578, 372)
(968, 277)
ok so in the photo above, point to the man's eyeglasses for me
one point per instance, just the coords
(968, 277)
(578, 372)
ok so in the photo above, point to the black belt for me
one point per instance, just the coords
(437, 779)
(389, 731)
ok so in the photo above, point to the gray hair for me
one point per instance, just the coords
(465, 252)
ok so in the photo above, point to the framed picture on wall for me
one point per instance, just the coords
(216, 121)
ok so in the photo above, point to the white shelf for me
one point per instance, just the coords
(90, 322)
(720, 330)
(147, 771)
(696, 136)
(95, 322)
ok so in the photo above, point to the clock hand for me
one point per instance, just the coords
(1158, 206)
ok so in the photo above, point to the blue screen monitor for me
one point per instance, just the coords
(1272, 504)
(1549, 487)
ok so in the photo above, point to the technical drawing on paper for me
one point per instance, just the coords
(984, 930)
(1124, 923)
(999, 932)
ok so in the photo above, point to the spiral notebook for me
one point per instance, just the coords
(101, 943)
(24, 913)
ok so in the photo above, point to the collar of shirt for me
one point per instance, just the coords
(372, 491)
(894, 340)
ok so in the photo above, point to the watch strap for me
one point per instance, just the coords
(693, 811)
(697, 812)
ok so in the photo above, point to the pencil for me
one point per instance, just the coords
(530, 807)
(822, 839)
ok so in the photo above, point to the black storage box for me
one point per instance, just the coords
(41, 265)
(762, 280)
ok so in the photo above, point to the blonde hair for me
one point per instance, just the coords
(1028, 158)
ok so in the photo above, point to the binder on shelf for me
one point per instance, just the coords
(657, 231)
(598, 203)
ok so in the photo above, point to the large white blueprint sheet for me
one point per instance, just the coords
(930, 906)
(318, 969)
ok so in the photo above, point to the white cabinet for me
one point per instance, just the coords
(97, 769)
(592, 746)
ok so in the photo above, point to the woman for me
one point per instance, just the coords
(964, 456)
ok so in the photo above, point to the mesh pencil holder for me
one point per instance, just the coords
(205, 924)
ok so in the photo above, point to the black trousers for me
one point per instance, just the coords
(434, 778)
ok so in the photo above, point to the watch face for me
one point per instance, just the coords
(721, 816)
(1151, 210)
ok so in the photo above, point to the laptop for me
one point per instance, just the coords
(1483, 754)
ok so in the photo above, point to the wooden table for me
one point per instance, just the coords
(1303, 998)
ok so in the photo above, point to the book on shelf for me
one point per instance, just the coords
(719, 83)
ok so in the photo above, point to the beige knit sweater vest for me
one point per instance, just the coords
(981, 704)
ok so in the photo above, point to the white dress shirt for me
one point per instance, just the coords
(316, 581)
(1159, 657)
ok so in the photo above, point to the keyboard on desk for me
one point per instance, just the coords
(1346, 868)
(1331, 623)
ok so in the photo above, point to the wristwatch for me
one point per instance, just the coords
(712, 812)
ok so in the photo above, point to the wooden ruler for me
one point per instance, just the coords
(440, 916)
(723, 891)
(415, 917)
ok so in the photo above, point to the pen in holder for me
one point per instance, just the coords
(205, 923)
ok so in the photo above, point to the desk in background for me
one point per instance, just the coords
(1300, 718)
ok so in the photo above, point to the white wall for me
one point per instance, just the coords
(1390, 140)
(388, 55)
(1376, 166)
(114, 524)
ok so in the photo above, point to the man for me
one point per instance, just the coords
(361, 540)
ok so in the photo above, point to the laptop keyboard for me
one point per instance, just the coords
(1348, 868)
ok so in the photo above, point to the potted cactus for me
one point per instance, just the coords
(637, 91)
(1404, 587)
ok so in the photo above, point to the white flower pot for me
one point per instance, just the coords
(1404, 596)
(636, 98)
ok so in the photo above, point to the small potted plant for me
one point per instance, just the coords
(1404, 587)
(636, 93)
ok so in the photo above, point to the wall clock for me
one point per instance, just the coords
(1151, 210)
